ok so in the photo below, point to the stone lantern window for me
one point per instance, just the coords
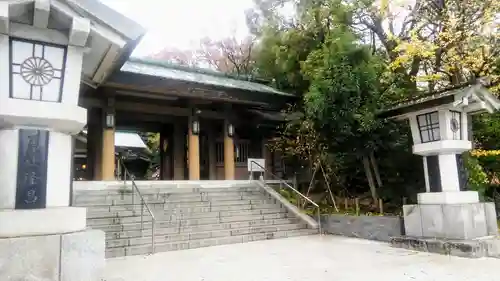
(456, 125)
(37, 70)
(428, 126)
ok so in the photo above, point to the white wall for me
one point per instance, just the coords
(9, 147)
(449, 172)
(4, 66)
(72, 75)
(59, 170)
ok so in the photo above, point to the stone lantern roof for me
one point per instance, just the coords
(475, 96)
(108, 37)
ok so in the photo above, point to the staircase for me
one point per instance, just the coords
(187, 217)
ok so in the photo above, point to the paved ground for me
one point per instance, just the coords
(308, 258)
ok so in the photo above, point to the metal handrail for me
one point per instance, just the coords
(282, 181)
(143, 204)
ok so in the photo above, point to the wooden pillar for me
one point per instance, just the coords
(193, 150)
(212, 157)
(179, 149)
(108, 143)
(229, 166)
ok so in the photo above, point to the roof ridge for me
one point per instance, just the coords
(192, 69)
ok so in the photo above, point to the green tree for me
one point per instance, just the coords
(343, 83)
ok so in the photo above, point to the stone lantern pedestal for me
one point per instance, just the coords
(448, 215)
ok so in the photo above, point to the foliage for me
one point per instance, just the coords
(298, 141)
(279, 56)
(152, 141)
(487, 131)
(489, 160)
(477, 178)
(344, 95)
(342, 83)
(455, 41)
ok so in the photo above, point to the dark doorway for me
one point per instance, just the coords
(204, 156)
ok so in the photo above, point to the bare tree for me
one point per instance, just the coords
(176, 56)
(228, 55)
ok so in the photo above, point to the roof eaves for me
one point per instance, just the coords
(110, 17)
(233, 80)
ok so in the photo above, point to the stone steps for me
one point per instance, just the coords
(179, 205)
(175, 237)
(191, 223)
(167, 190)
(257, 215)
(187, 209)
(187, 218)
(127, 200)
(176, 228)
(199, 243)
(165, 193)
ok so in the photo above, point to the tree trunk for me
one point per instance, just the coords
(310, 186)
(373, 160)
(369, 177)
(328, 186)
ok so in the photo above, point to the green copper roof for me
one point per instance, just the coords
(195, 75)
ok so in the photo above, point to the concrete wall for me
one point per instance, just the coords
(366, 227)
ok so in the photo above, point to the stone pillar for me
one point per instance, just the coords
(108, 146)
(229, 166)
(179, 150)
(193, 150)
(41, 236)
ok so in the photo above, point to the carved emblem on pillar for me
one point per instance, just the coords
(32, 169)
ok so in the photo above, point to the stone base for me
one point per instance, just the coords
(450, 221)
(77, 256)
(488, 247)
(458, 197)
(17, 223)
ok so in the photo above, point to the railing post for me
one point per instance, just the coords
(153, 235)
(142, 217)
(319, 221)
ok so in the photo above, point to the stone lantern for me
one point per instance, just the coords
(441, 132)
(47, 49)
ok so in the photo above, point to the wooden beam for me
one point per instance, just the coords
(152, 109)
(128, 118)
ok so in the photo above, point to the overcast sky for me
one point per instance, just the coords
(182, 23)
